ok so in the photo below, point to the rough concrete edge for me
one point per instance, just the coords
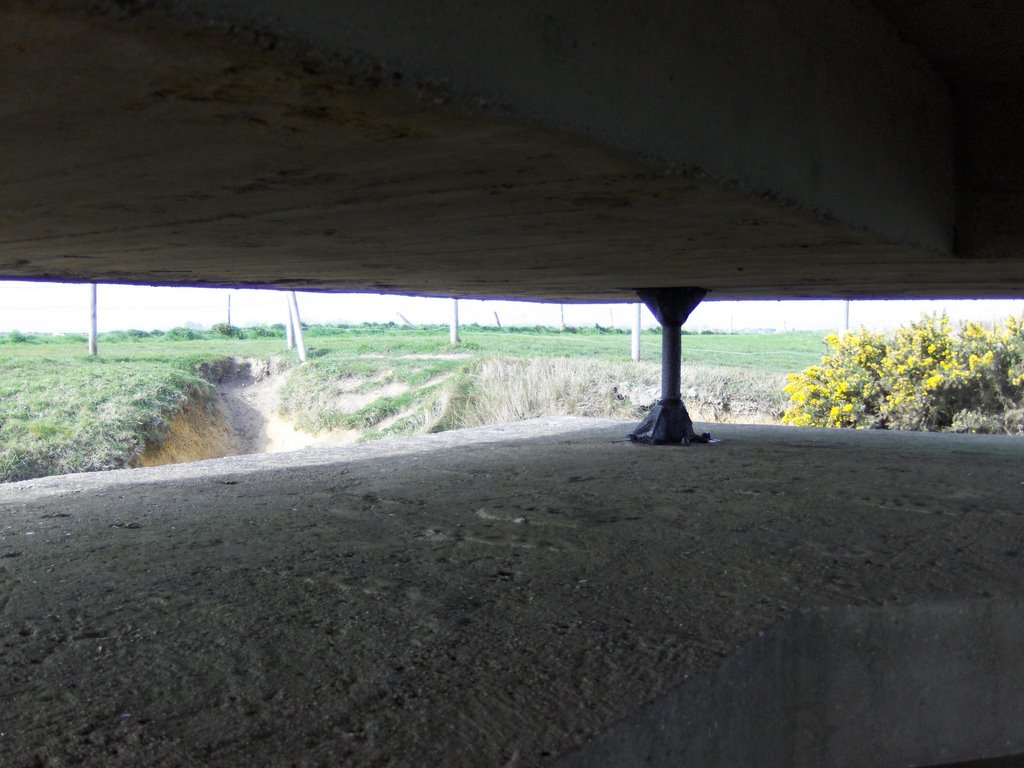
(570, 427)
(567, 427)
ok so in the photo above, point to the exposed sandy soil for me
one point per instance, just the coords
(495, 597)
(249, 394)
(243, 419)
(200, 431)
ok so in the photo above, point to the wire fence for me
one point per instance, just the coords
(64, 308)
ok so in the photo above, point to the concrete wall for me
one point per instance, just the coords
(822, 105)
(990, 216)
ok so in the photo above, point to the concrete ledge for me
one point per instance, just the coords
(537, 594)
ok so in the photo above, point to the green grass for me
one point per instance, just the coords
(62, 411)
(768, 353)
(59, 416)
(314, 395)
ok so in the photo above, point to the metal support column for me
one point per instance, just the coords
(668, 423)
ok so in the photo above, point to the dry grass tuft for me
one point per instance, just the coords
(502, 390)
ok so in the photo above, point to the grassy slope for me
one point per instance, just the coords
(61, 411)
(59, 416)
(491, 386)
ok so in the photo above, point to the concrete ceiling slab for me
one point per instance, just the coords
(141, 148)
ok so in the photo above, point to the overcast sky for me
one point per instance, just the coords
(56, 308)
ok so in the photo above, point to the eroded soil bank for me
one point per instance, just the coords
(242, 418)
(245, 414)
(494, 597)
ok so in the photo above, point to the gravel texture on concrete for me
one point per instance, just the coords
(493, 597)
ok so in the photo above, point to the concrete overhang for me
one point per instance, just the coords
(564, 151)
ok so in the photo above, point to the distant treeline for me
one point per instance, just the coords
(277, 330)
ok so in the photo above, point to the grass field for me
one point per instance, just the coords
(62, 411)
(767, 353)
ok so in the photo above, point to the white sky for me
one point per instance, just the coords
(61, 307)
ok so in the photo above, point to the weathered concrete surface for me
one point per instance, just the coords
(886, 685)
(537, 594)
(755, 149)
(831, 110)
(991, 184)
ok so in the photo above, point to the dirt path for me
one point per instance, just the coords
(243, 420)
(249, 394)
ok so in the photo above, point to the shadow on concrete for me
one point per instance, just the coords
(892, 685)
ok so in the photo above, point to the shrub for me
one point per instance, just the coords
(924, 377)
(264, 332)
(231, 331)
(183, 334)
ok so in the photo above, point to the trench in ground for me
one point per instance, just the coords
(242, 419)
(244, 416)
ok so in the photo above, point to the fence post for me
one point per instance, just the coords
(300, 341)
(92, 320)
(289, 326)
(636, 333)
(453, 331)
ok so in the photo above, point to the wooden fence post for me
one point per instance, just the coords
(453, 331)
(289, 326)
(636, 333)
(92, 320)
(300, 341)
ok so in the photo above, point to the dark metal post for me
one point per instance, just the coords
(668, 422)
(671, 361)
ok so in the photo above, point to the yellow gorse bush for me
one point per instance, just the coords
(926, 376)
